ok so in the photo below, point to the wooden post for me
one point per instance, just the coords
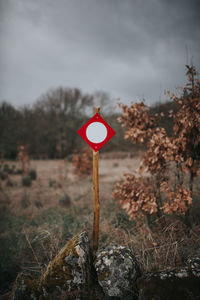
(96, 194)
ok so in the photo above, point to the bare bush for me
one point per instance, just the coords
(83, 162)
(158, 195)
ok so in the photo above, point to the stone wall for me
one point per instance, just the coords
(112, 273)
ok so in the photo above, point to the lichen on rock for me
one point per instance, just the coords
(113, 272)
(66, 277)
(25, 288)
(182, 283)
(117, 270)
(70, 268)
(193, 264)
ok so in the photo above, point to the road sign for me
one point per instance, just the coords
(96, 132)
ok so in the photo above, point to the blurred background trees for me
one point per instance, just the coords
(48, 128)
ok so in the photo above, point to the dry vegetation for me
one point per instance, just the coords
(159, 194)
(45, 202)
(35, 222)
(82, 162)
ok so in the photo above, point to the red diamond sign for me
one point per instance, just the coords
(96, 132)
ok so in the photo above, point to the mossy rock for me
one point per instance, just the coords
(70, 271)
(169, 285)
(25, 288)
(70, 275)
(117, 270)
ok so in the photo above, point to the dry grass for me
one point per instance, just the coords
(35, 225)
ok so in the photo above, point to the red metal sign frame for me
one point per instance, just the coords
(110, 132)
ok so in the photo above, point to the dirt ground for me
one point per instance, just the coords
(110, 169)
(56, 177)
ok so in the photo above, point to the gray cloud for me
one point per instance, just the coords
(131, 49)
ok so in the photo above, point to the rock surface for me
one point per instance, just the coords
(25, 288)
(193, 264)
(182, 283)
(70, 270)
(117, 271)
(113, 274)
(68, 275)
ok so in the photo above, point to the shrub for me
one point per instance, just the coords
(65, 200)
(122, 220)
(26, 181)
(70, 158)
(23, 159)
(3, 175)
(68, 220)
(115, 165)
(6, 168)
(38, 204)
(9, 183)
(167, 159)
(32, 174)
(19, 172)
(51, 183)
(83, 162)
(25, 202)
(11, 170)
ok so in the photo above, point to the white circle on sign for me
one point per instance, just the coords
(96, 132)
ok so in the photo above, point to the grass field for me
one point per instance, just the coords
(37, 220)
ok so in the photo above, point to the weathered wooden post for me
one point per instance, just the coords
(96, 194)
(96, 132)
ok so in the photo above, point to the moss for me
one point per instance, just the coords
(58, 271)
(25, 287)
(62, 274)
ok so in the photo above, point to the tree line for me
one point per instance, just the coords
(48, 128)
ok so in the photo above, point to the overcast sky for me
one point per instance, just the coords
(128, 48)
